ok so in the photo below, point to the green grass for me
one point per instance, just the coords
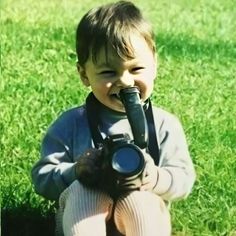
(196, 80)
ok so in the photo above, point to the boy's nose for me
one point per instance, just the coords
(126, 80)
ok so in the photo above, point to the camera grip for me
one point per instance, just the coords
(130, 98)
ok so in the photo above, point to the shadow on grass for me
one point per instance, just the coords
(188, 47)
(32, 223)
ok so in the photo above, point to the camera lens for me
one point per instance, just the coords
(127, 161)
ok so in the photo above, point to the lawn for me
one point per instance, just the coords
(196, 43)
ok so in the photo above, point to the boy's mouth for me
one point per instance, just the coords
(116, 96)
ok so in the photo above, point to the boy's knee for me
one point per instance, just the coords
(143, 208)
(84, 196)
(142, 201)
(84, 202)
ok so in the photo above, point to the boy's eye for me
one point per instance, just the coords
(137, 69)
(107, 72)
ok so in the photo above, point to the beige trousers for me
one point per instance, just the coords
(86, 212)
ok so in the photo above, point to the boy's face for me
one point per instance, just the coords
(111, 73)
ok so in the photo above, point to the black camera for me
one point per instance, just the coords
(122, 160)
(122, 163)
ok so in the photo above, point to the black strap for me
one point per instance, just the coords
(92, 108)
(153, 146)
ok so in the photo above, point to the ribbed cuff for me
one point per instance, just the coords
(164, 181)
(68, 173)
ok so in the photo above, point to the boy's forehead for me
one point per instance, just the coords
(109, 56)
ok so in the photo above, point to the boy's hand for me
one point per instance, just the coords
(149, 175)
(87, 167)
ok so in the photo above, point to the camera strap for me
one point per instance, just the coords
(92, 108)
(153, 146)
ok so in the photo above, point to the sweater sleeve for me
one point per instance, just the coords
(176, 170)
(55, 170)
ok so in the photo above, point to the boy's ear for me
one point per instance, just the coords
(83, 75)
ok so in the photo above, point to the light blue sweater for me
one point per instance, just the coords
(69, 136)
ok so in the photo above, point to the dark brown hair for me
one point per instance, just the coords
(112, 25)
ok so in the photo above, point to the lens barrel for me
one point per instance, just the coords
(127, 161)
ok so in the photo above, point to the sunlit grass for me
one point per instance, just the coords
(196, 80)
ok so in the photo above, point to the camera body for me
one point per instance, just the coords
(122, 161)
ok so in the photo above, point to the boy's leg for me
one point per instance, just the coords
(142, 213)
(83, 211)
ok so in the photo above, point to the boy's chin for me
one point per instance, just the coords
(117, 108)
(116, 104)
